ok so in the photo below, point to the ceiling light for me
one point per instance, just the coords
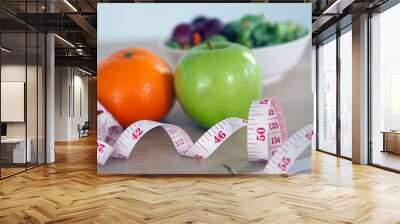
(70, 5)
(5, 50)
(337, 7)
(64, 40)
(84, 71)
(329, 9)
(79, 51)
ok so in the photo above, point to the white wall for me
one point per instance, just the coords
(80, 84)
(61, 103)
(12, 73)
(34, 125)
(69, 82)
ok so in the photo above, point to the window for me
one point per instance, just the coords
(394, 102)
(385, 89)
(327, 96)
(346, 93)
(334, 106)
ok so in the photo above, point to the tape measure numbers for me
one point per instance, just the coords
(267, 137)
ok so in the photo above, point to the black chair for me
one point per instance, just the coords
(84, 130)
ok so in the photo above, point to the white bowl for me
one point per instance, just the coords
(274, 60)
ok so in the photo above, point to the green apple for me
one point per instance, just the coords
(214, 81)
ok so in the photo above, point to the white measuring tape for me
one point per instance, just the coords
(267, 137)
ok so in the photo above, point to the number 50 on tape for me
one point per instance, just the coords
(267, 137)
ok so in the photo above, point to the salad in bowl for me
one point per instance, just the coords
(277, 46)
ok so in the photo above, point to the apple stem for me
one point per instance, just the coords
(209, 45)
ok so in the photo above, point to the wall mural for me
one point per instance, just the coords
(210, 89)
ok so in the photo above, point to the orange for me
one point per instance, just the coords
(135, 84)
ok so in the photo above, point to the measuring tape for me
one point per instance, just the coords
(267, 137)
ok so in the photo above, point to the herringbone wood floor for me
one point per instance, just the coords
(70, 191)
